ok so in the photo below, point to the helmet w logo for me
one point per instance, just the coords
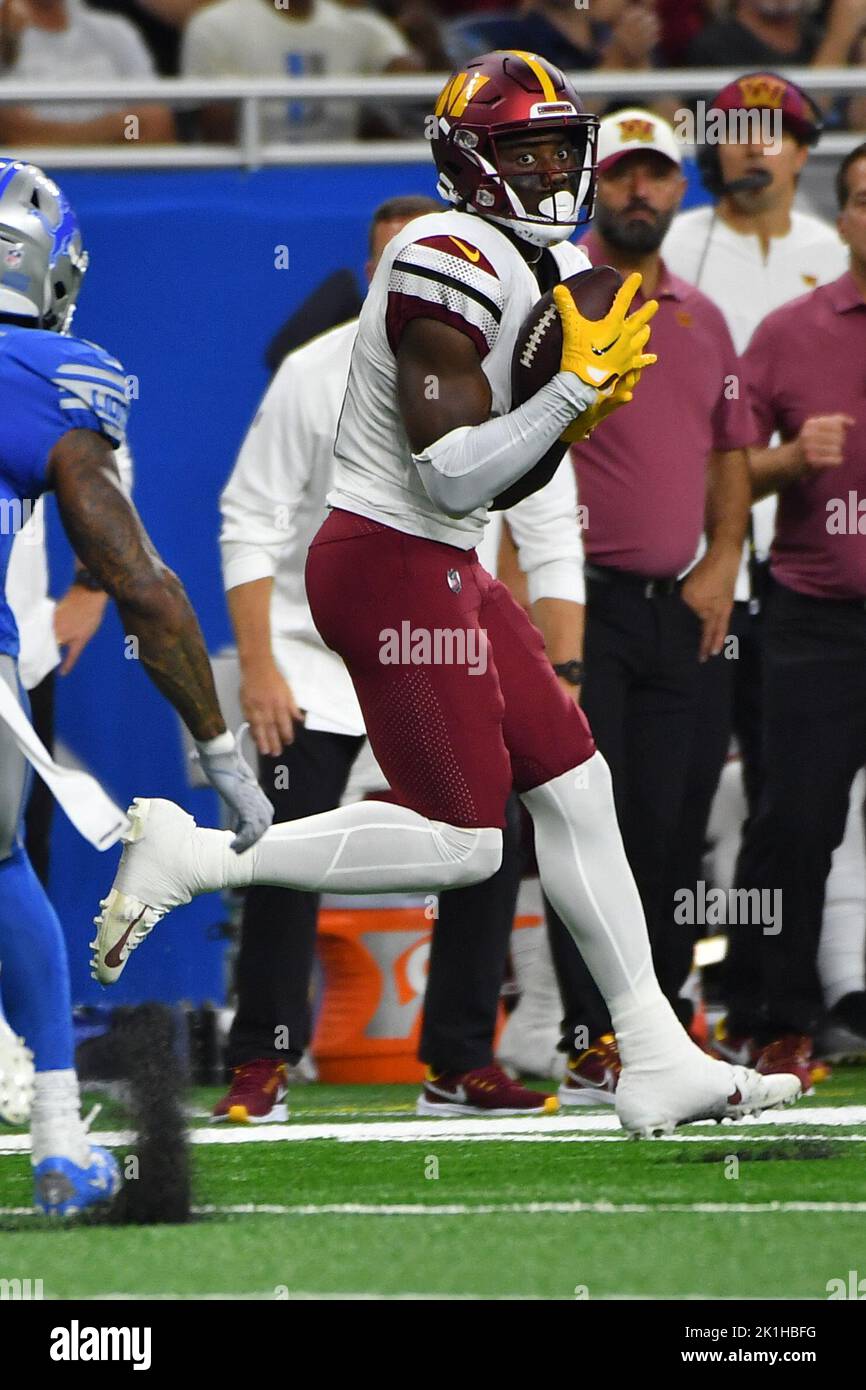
(635, 129)
(457, 93)
(762, 91)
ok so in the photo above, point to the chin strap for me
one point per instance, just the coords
(541, 234)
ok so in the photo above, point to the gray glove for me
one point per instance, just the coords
(230, 774)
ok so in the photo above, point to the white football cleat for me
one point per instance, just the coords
(655, 1101)
(16, 1077)
(154, 875)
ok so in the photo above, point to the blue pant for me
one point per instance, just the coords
(34, 970)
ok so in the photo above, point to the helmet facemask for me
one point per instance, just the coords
(560, 206)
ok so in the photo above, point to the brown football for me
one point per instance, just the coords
(536, 358)
(538, 346)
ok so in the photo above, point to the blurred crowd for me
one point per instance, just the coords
(58, 41)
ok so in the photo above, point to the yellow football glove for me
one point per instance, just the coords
(587, 422)
(601, 351)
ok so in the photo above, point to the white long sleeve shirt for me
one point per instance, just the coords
(274, 503)
(27, 588)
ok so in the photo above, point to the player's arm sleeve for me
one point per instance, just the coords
(470, 466)
(547, 534)
(446, 278)
(268, 480)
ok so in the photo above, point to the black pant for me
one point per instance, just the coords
(639, 695)
(467, 962)
(278, 929)
(728, 701)
(747, 698)
(278, 932)
(814, 741)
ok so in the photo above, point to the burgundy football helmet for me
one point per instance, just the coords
(504, 93)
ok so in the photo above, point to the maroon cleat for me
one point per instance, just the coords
(591, 1077)
(485, 1091)
(738, 1050)
(256, 1095)
(792, 1053)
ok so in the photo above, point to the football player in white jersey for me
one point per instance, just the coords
(459, 699)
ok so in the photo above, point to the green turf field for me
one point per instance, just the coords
(354, 1196)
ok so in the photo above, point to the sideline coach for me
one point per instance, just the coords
(806, 367)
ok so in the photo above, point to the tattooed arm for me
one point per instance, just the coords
(108, 537)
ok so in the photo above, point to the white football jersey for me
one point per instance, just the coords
(451, 266)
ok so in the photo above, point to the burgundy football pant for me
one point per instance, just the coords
(459, 699)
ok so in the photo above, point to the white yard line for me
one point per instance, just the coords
(268, 1296)
(580, 1122)
(587, 1127)
(365, 1296)
(575, 1208)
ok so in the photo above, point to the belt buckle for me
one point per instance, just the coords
(649, 589)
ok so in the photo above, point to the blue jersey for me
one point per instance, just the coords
(49, 384)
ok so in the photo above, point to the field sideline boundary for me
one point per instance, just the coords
(572, 1208)
(551, 1128)
(587, 1127)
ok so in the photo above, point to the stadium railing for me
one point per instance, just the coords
(252, 150)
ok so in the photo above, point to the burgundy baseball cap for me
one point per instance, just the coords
(769, 91)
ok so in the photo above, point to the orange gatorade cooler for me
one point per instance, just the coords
(373, 952)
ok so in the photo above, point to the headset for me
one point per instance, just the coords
(811, 125)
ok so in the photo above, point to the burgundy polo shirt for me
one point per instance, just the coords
(809, 358)
(642, 475)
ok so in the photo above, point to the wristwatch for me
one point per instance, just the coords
(571, 671)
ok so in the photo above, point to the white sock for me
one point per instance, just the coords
(540, 1001)
(56, 1127)
(842, 948)
(530, 1039)
(369, 847)
(585, 874)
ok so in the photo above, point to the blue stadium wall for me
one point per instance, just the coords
(183, 289)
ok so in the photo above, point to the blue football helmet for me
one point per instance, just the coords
(42, 258)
